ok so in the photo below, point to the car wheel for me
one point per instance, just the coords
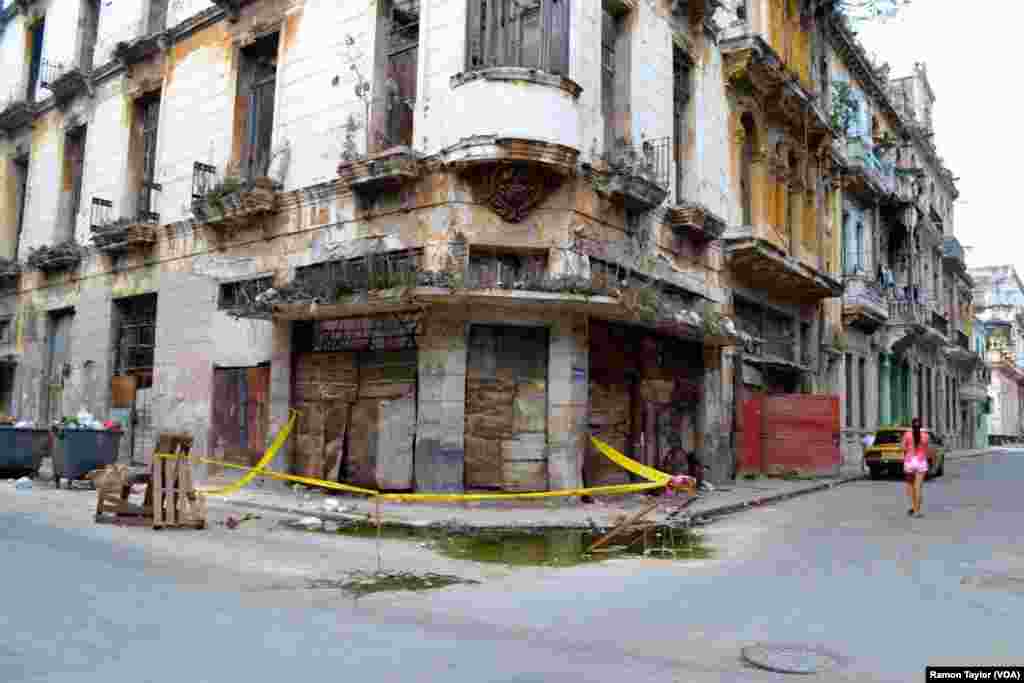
(876, 471)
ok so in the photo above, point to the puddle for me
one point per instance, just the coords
(553, 548)
(365, 583)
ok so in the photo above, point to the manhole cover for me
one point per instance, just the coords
(790, 659)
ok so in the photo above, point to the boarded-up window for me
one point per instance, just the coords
(526, 33)
(235, 295)
(506, 408)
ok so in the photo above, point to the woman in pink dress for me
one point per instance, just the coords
(915, 464)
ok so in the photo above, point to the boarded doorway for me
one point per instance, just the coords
(240, 413)
(355, 387)
(506, 408)
(786, 433)
(58, 364)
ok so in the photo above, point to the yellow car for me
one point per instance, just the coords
(886, 454)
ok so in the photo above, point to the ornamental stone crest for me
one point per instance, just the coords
(513, 190)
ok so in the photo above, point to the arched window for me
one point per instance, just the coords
(746, 167)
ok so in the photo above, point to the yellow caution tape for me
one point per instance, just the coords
(656, 479)
(648, 473)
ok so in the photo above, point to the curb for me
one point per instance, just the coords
(712, 513)
(725, 510)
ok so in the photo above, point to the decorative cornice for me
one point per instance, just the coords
(696, 219)
(515, 74)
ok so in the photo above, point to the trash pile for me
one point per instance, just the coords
(86, 420)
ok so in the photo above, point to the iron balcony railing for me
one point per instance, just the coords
(861, 290)
(651, 159)
(881, 172)
(102, 213)
(204, 179)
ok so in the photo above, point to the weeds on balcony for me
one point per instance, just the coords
(9, 268)
(56, 257)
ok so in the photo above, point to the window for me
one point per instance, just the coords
(862, 377)
(74, 162)
(89, 23)
(681, 75)
(6, 330)
(21, 198)
(505, 270)
(333, 279)
(257, 82)
(527, 33)
(397, 68)
(614, 73)
(148, 113)
(746, 167)
(156, 21)
(849, 390)
(36, 60)
(234, 295)
(136, 338)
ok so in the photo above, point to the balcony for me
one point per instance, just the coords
(230, 203)
(130, 52)
(511, 175)
(695, 220)
(637, 176)
(57, 258)
(974, 392)
(871, 175)
(916, 320)
(64, 81)
(864, 304)
(389, 169)
(10, 271)
(118, 236)
(953, 255)
(15, 113)
(764, 266)
(536, 105)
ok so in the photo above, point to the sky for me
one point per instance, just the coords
(972, 51)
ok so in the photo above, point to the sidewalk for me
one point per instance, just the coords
(552, 513)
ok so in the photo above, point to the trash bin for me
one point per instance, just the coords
(76, 452)
(23, 450)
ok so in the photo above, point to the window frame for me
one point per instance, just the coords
(488, 44)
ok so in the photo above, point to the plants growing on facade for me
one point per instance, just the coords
(844, 106)
(60, 256)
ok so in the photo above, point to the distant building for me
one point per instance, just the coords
(999, 297)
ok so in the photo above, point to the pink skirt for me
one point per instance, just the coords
(915, 465)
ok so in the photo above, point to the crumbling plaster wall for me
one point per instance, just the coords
(12, 56)
(120, 20)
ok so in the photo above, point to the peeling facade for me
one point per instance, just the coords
(323, 207)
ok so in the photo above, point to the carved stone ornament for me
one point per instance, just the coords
(513, 190)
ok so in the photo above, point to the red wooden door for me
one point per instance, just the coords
(748, 441)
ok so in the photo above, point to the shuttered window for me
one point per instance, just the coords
(526, 33)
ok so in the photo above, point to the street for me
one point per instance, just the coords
(844, 569)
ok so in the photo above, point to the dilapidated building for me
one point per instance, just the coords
(459, 237)
(1000, 301)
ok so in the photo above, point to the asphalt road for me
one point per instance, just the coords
(845, 569)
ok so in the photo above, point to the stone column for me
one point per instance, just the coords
(568, 401)
(441, 411)
(280, 389)
(715, 416)
(91, 350)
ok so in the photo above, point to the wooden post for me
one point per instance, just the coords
(158, 492)
(622, 527)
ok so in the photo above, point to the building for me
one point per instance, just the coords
(906, 309)
(1000, 297)
(213, 213)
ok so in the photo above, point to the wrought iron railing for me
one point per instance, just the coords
(148, 195)
(101, 213)
(651, 159)
(204, 179)
(861, 290)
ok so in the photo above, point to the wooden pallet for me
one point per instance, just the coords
(171, 495)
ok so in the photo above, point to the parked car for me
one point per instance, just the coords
(885, 456)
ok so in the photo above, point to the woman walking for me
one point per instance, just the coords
(915, 464)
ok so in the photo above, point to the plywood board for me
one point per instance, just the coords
(483, 463)
(396, 434)
(362, 443)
